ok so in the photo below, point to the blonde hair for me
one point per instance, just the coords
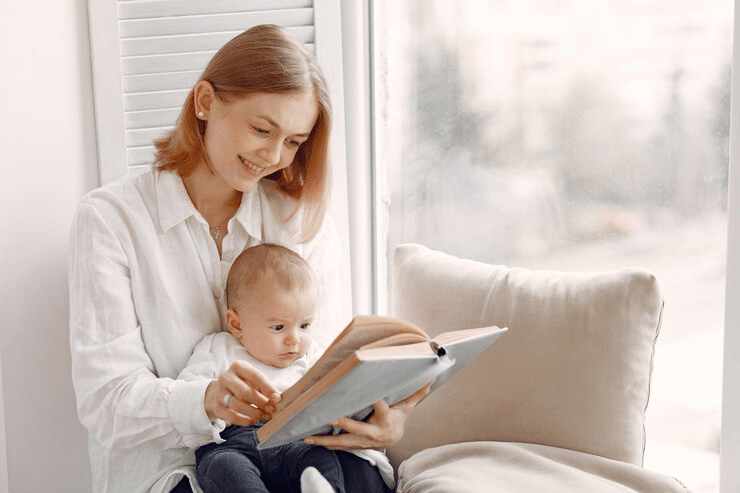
(263, 59)
(289, 269)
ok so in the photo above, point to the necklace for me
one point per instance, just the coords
(221, 229)
(216, 231)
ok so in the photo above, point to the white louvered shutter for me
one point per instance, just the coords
(147, 54)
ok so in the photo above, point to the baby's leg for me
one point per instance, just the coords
(227, 470)
(297, 457)
(313, 482)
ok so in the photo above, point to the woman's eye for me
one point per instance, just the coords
(294, 143)
(261, 131)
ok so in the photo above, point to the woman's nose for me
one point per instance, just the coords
(270, 152)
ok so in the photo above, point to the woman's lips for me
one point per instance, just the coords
(251, 166)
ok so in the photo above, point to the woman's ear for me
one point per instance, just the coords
(233, 322)
(203, 96)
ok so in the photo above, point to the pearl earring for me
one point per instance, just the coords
(201, 114)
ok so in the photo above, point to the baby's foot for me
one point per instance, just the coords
(313, 482)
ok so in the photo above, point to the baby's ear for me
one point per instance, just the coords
(232, 321)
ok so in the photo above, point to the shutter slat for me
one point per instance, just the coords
(145, 137)
(195, 42)
(137, 156)
(175, 44)
(154, 100)
(172, 62)
(169, 62)
(151, 118)
(137, 9)
(160, 82)
(170, 26)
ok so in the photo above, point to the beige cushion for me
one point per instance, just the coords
(496, 467)
(573, 371)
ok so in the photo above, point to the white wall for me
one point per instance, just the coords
(47, 162)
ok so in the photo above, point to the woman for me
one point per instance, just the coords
(247, 163)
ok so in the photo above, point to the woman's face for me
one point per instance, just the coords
(252, 137)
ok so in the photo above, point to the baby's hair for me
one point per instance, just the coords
(288, 268)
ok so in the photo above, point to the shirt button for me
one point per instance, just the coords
(228, 257)
(217, 293)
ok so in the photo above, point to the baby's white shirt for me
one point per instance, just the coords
(215, 353)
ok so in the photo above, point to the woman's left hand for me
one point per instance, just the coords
(381, 430)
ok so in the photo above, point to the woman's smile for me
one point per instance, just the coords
(251, 166)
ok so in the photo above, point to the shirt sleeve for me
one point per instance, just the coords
(202, 363)
(120, 399)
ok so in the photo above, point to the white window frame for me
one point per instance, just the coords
(358, 71)
(4, 488)
(356, 46)
(109, 105)
(730, 435)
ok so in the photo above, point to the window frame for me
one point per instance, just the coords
(357, 59)
(730, 432)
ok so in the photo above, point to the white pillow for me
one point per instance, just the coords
(497, 467)
(573, 371)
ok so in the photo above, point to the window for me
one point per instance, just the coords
(572, 135)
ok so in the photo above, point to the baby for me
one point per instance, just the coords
(272, 298)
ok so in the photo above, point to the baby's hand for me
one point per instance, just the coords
(272, 405)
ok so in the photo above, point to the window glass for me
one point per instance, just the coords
(572, 135)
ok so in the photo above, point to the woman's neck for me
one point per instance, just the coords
(213, 198)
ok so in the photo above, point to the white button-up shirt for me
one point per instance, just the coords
(146, 285)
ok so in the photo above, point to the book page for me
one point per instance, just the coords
(395, 340)
(363, 330)
(458, 335)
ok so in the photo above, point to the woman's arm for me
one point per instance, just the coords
(209, 362)
(120, 399)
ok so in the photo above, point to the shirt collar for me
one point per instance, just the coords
(173, 202)
(249, 214)
(175, 206)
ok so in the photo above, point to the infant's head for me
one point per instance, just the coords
(272, 296)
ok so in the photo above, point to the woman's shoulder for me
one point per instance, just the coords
(131, 189)
(271, 193)
(122, 205)
(281, 214)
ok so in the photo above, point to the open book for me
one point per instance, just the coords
(373, 358)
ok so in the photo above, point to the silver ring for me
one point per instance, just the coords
(225, 400)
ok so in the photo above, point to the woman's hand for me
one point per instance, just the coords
(381, 430)
(241, 396)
